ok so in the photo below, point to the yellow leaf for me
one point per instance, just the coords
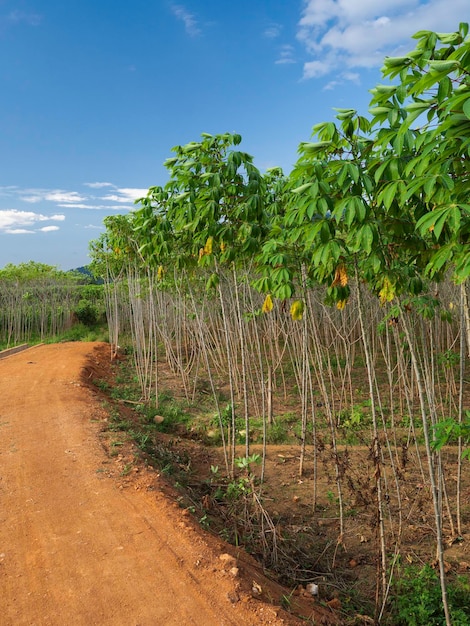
(201, 253)
(341, 276)
(387, 293)
(222, 246)
(208, 246)
(160, 272)
(341, 304)
(267, 304)
(297, 310)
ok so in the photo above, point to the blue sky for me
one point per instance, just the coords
(95, 93)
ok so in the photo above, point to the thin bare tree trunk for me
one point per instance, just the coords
(375, 443)
(464, 314)
(431, 465)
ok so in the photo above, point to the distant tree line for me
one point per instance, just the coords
(38, 301)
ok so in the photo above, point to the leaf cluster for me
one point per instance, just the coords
(384, 198)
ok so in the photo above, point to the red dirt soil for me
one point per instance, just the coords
(79, 548)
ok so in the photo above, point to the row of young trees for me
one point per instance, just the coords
(38, 301)
(280, 284)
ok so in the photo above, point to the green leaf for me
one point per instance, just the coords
(429, 185)
(212, 282)
(343, 173)
(415, 106)
(314, 148)
(462, 269)
(436, 220)
(367, 238)
(449, 38)
(344, 114)
(388, 194)
(396, 62)
(361, 240)
(440, 259)
(444, 89)
(410, 118)
(438, 67)
(386, 90)
(439, 224)
(380, 110)
(303, 188)
(380, 170)
(353, 171)
(466, 107)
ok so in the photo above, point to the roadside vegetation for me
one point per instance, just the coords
(341, 287)
(274, 518)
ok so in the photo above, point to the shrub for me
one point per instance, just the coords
(87, 313)
(417, 599)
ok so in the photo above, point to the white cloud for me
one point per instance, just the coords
(286, 55)
(331, 85)
(96, 207)
(49, 229)
(18, 231)
(352, 77)
(126, 195)
(360, 33)
(34, 196)
(98, 185)
(273, 31)
(32, 199)
(63, 196)
(188, 19)
(315, 69)
(14, 222)
(106, 197)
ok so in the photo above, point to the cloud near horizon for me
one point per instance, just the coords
(346, 35)
(14, 222)
(104, 197)
(18, 222)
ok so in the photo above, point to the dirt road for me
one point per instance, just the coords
(75, 548)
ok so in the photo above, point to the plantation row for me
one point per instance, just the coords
(38, 301)
(341, 285)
